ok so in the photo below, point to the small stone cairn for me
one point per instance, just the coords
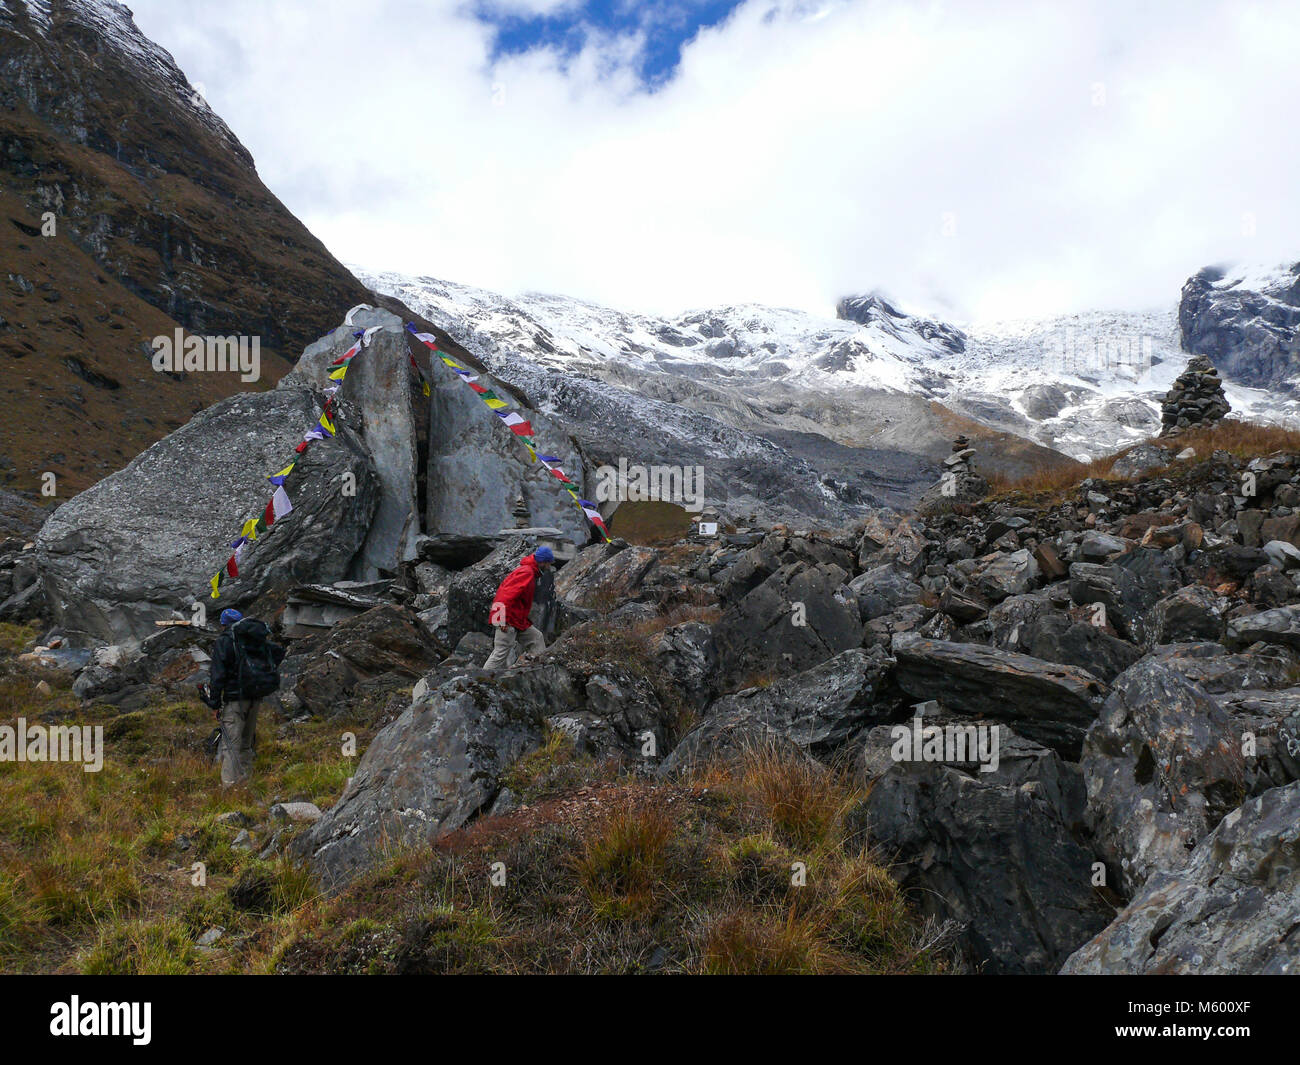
(1196, 399)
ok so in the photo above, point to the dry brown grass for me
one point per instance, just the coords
(1239, 438)
(749, 869)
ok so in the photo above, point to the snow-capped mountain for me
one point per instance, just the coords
(1247, 320)
(874, 377)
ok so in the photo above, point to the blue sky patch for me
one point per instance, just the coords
(666, 24)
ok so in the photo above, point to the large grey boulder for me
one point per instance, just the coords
(687, 659)
(1054, 637)
(605, 575)
(1280, 625)
(1232, 909)
(1270, 721)
(144, 542)
(477, 468)
(608, 709)
(1141, 459)
(1191, 613)
(1048, 703)
(1000, 576)
(1216, 670)
(999, 852)
(380, 650)
(377, 400)
(797, 617)
(427, 774)
(905, 547)
(817, 711)
(883, 589)
(1163, 765)
(1128, 588)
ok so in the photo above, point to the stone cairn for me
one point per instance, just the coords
(1196, 399)
(961, 463)
(959, 484)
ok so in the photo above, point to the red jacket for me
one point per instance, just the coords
(516, 592)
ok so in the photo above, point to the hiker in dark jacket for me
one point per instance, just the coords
(245, 668)
(510, 607)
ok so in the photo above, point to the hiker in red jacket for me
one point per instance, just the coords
(510, 607)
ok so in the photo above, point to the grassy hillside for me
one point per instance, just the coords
(604, 871)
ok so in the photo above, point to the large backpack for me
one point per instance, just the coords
(257, 659)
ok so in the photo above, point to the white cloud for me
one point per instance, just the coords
(1000, 158)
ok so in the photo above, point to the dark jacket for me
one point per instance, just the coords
(223, 672)
(516, 593)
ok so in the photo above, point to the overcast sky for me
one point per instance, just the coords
(971, 159)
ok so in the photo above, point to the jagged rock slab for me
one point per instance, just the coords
(817, 711)
(1272, 720)
(999, 852)
(605, 574)
(378, 401)
(426, 774)
(477, 467)
(1232, 909)
(1163, 765)
(325, 670)
(687, 657)
(799, 616)
(1280, 625)
(144, 542)
(1127, 587)
(457, 550)
(1048, 703)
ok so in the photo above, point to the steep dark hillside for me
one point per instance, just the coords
(160, 220)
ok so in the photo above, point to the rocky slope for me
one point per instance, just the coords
(1077, 712)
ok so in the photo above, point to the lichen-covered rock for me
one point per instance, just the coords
(1047, 703)
(999, 852)
(605, 575)
(143, 543)
(799, 616)
(1163, 764)
(427, 774)
(817, 711)
(1231, 909)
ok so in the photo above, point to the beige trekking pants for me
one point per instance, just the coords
(504, 649)
(238, 738)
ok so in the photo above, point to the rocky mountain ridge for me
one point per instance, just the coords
(875, 377)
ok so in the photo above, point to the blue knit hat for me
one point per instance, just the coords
(229, 617)
(544, 554)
